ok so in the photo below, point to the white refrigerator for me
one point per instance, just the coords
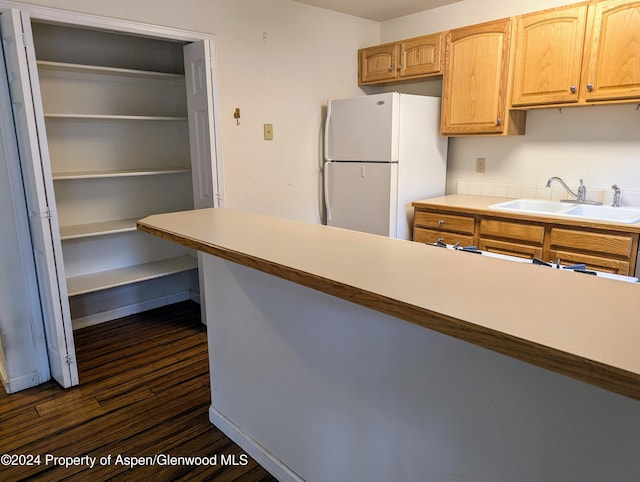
(381, 153)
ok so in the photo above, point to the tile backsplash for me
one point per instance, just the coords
(532, 191)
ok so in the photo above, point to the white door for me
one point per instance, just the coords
(362, 196)
(206, 171)
(205, 168)
(363, 128)
(36, 172)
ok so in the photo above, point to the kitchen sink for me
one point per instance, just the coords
(627, 215)
(534, 206)
(605, 213)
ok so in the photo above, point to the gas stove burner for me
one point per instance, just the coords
(576, 268)
(467, 249)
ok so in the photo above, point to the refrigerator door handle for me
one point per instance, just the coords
(327, 204)
(326, 132)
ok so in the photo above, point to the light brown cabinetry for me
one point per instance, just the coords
(429, 227)
(598, 250)
(548, 56)
(611, 65)
(476, 81)
(511, 238)
(578, 54)
(598, 247)
(409, 59)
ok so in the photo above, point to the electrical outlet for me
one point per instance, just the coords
(268, 132)
(481, 164)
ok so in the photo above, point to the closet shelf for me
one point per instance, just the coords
(90, 283)
(88, 230)
(114, 117)
(45, 65)
(63, 176)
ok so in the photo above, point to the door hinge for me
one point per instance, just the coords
(47, 213)
(69, 359)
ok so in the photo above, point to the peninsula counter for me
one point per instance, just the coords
(317, 374)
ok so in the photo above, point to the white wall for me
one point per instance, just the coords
(309, 55)
(599, 144)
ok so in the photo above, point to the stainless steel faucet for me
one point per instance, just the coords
(617, 194)
(580, 196)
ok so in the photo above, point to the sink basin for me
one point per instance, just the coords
(534, 206)
(627, 215)
(605, 213)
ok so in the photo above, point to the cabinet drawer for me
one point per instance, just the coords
(506, 229)
(446, 222)
(430, 236)
(510, 249)
(618, 245)
(597, 263)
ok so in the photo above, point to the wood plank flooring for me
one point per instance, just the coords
(144, 391)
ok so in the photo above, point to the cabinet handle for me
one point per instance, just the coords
(400, 67)
(391, 68)
(572, 89)
(440, 222)
(589, 87)
(498, 122)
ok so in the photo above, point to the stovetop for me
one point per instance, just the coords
(577, 268)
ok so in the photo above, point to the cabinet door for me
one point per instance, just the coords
(36, 170)
(548, 56)
(612, 60)
(420, 56)
(378, 64)
(475, 79)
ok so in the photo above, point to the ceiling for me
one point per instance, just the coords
(379, 10)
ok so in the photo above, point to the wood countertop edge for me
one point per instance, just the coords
(595, 373)
(439, 205)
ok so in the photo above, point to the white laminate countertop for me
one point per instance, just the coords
(582, 326)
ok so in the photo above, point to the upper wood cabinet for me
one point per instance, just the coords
(578, 54)
(409, 59)
(476, 81)
(611, 65)
(548, 56)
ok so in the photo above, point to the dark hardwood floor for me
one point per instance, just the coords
(144, 392)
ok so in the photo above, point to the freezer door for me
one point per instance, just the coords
(26, 100)
(363, 128)
(362, 196)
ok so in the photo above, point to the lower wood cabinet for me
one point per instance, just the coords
(511, 238)
(429, 227)
(599, 248)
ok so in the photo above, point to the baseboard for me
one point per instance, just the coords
(259, 453)
(12, 385)
(104, 316)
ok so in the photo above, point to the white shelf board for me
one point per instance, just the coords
(97, 229)
(62, 176)
(90, 283)
(115, 117)
(96, 69)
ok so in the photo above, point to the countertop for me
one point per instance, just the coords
(584, 327)
(474, 204)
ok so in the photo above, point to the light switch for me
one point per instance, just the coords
(268, 132)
